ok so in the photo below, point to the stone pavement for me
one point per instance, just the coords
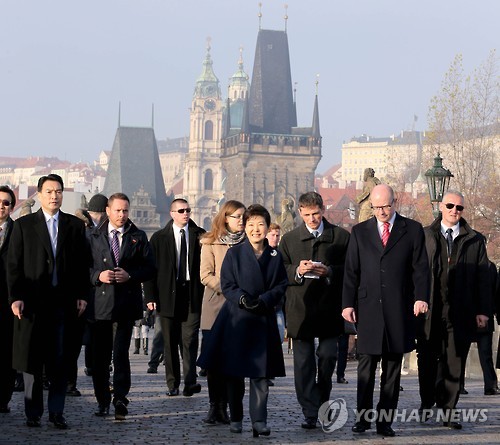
(157, 419)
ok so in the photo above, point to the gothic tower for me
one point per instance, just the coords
(203, 170)
(266, 157)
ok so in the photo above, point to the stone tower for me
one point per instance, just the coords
(266, 157)
(134, 166)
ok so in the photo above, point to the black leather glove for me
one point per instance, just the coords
(255, 306)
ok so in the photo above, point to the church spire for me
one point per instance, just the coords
(315, 133)
(207, 83)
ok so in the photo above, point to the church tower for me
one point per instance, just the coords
(203, 169)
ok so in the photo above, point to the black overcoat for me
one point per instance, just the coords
(122, 301)
(30, 265)
(472, 285)
(161, 289)
(6, 315)
(383, 284)
(313, 306)
(243, 344)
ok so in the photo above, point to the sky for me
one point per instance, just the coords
(65, 65)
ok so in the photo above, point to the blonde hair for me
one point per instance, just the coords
(219, 227)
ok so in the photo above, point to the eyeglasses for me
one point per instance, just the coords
(236, 216)
(378, 208)
(5, 202)
(181, 211)
(449, 206)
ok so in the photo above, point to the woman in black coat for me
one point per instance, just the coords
(244, 340)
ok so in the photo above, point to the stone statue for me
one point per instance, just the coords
(370, 181)
(287, 218)
(26, 207)
(83, 202)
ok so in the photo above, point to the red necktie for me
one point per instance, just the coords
(385, 234)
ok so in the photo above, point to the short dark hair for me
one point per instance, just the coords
(257, 210)
(177, 200)
(7, 189)
(311, 199)
(51, 177)
(121, 196)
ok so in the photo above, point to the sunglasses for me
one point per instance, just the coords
(449, 206)
(181, 211)
(5, 202)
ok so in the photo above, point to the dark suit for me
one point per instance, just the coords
(313, 309)
(7, 373)
(382, 285)
(44, 334)
(115, 307)
(179, 307)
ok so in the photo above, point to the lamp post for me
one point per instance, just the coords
(438, 181)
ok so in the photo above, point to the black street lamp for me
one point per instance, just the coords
(438, 181)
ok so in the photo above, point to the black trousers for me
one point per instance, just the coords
(485, 352)
(111, 340)
(389, 386)
(184, 333)
(57, 344)
(439, 368)
(7, 374)
(216, 382)
(311, 393)
(157, 346)
(259, 393)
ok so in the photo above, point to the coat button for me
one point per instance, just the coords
(104, 259)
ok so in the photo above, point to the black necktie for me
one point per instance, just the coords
(181, 277)
(449, 241)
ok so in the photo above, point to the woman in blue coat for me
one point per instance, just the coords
(245, 340)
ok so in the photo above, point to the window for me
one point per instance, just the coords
(209, 180)
(209, 130)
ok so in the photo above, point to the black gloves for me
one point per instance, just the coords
(253, 305)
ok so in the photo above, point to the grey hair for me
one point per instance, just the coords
(454, 192)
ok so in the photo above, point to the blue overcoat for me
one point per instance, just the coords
(243, 344)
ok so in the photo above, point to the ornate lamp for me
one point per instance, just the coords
(438, 181)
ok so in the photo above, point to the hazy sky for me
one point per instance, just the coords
(66, 64)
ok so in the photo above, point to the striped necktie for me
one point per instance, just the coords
(385, 234)
(115, 246)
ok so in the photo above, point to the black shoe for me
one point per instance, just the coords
(189, 390)
(270, 382)
(342, 380)
(72, 391)
(120, 410)
(221, 414)
(361, 427)
(4, 409)
(102, 411)
(309, 423)
(19, 385)
(152, 370)
(385, 430)
(463, 391)
(173, 392)
(58, 420)
(260, 429)
(33, 422)
(202, 373)
(491, 392)
(453, 425)
(211, 418)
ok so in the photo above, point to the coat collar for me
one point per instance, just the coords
(398, 231)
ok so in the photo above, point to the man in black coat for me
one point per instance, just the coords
(122, 261)
(47, 274)
(460, 304)
(176, 293)
(7, 373)
(314, 255)
(386, 283)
